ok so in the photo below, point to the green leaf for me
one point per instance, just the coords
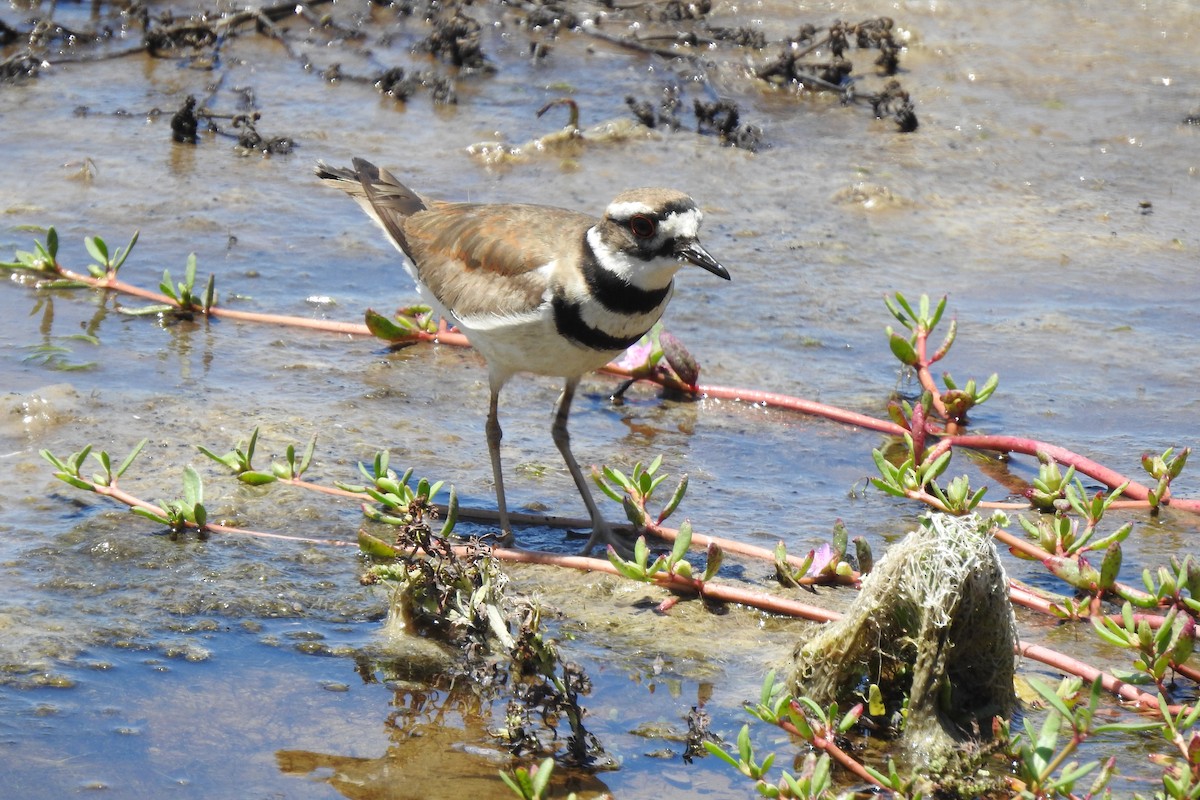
(388, 329)
(768, 689)
(878, 776)
(745, 750)
(886, 469)
(146, 311)
(603, 485)
(124, 254)
(713, 565)
(715, 749)
(97, 249)
(850, 718)
(193, 487)
(902, 349)
(1050, 696)
(129, 458)
(1046, 741)
(541, 778)
(78, 483)
(618, 477)
(937, 314)
(151, 515)
(632, 571)
(1119, 535)
(932, 471)
(1110, 565)
(1073, 772)
(903, 303)
(683, 541)
(104, 460)
(947, 342)
(518, 786)
(654, 465)
(189, 274)
(53, 459)
(887, 488)
(376, 547)
(255, 478)
(1107, 630)
(166, 286)
(306, 459)
(451, 513)
(230, 460)
(675, 500)
(640, 551)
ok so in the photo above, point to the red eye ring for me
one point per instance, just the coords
(643, 226)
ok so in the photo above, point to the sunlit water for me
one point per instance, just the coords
(1051, 191)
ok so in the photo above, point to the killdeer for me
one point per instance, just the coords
(536, 288)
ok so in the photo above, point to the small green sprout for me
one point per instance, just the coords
(1164, 469)
(404, 325)
(179, 514)
(69, 470)
(633, 493)
(639, 567)
(529, 785)
(107, 264)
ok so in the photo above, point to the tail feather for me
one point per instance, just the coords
(385, 199)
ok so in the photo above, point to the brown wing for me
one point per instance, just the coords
(481, 259)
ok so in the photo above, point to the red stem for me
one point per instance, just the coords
(728, 594)
(925, 376)
(767, 602)
(1071, 666)
(1006, 444)
(836, 753)
(724, 593)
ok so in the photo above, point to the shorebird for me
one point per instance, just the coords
(536, 288)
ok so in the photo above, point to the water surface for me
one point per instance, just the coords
(1051, 191)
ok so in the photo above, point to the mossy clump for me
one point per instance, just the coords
(934, 631)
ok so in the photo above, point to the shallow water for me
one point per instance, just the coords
(230, 667)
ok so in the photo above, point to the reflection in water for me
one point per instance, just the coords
(440, 745)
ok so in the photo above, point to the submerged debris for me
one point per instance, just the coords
(722, 119)
(793, 66)
(663, 115)
(813, 59)
(249, 140)
(397, 83)
(457, 597)
(184, 123)
(19, 66)
(894, 102)
(457, 41)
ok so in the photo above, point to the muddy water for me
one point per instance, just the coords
(1051, 190)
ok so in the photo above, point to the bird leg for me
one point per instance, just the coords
(601, 532)
(494, 435)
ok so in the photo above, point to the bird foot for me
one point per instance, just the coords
(604, 535)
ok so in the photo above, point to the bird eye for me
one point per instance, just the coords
(642, 226)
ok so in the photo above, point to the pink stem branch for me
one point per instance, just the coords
(836, 753)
